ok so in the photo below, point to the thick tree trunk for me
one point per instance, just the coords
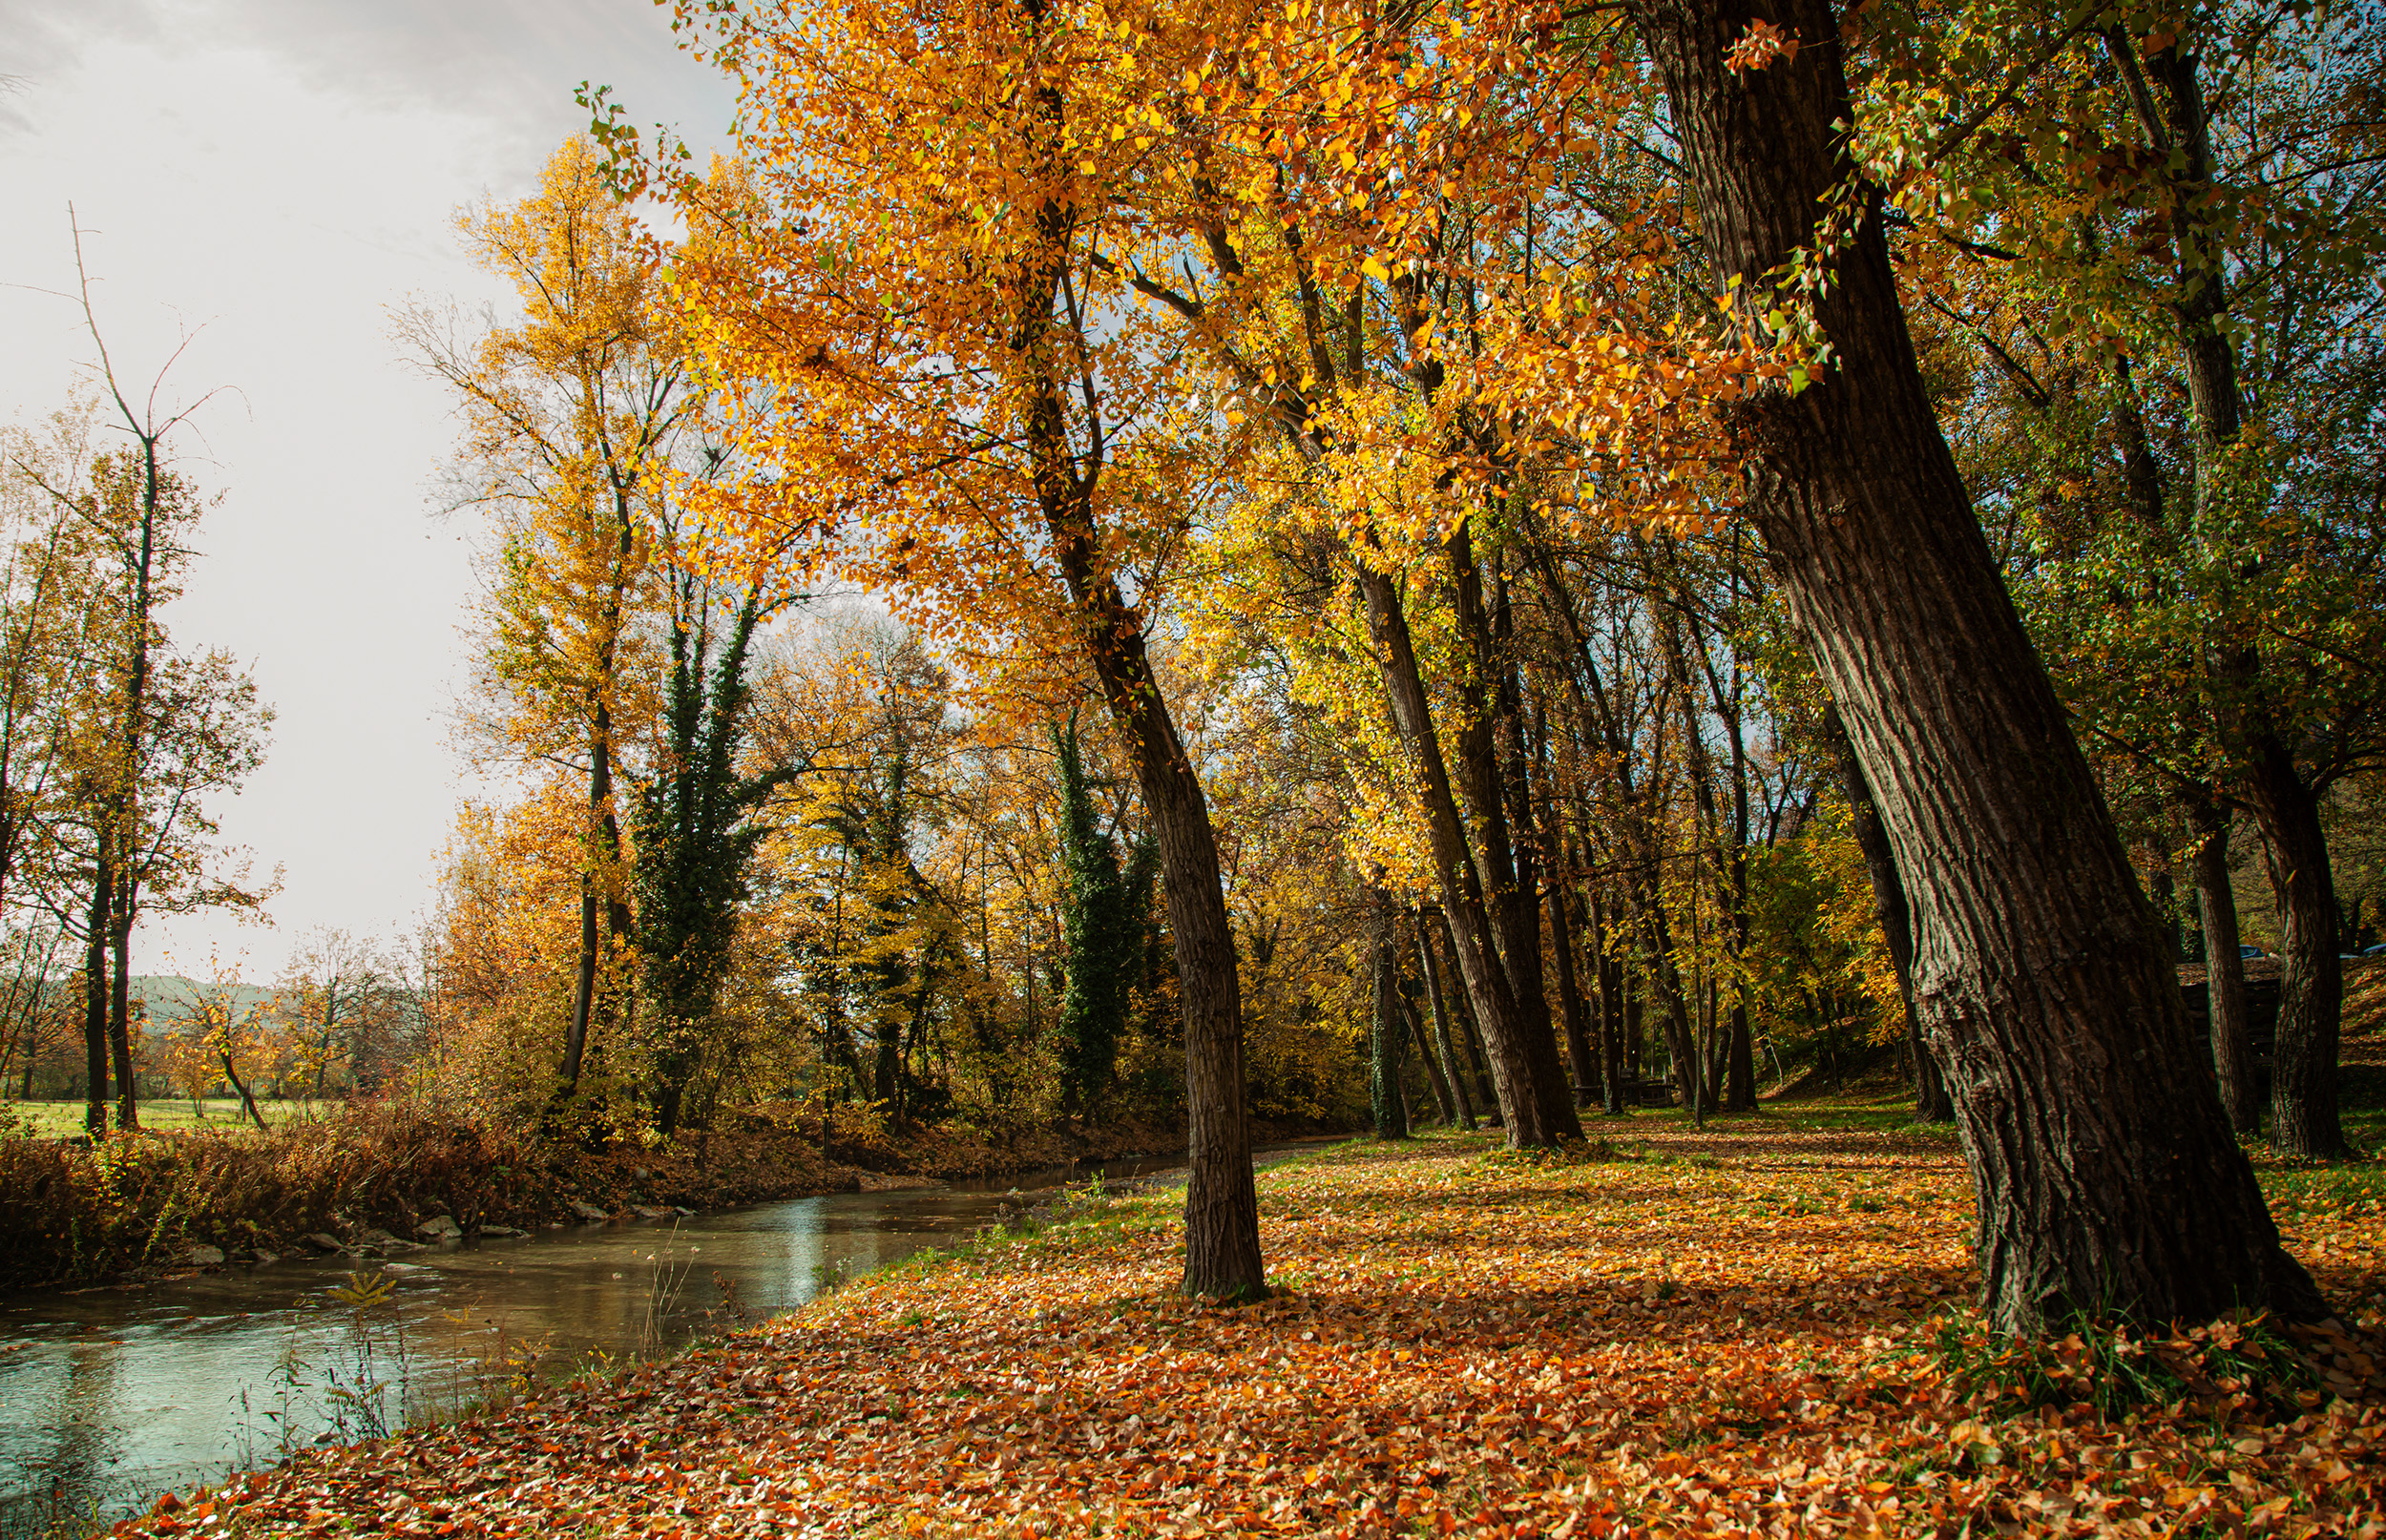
(2224, 974)
(1450, 1066)
(2104, 1167)
(1222, 1254)
(1531, 1087)
(96, 997)
(1892, 913)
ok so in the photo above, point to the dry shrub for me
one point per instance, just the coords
(133, 1202)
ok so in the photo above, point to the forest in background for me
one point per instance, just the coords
(1177, 564)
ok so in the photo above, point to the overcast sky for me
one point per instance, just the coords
(273, 173)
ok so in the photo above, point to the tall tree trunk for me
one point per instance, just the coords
(2303, 1113)
(1610, 1010)
(1221, 1253)
(2223, 973)
(2103, 1166)
(95, 994)
(1423, 1042)
(1470, 1036)
(1384, 1035)
(1892, 913)
(1531, 1086)
(1578, 1052)
(121, 1004)
(1222, 1256)
(1449, 1067)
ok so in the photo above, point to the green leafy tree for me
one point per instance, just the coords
(695, 837)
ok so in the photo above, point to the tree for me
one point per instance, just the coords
(221, 1031)
(347, 1012)
(2113, 1178)
(927, 349)
(693, 828)
(2177, 304)
(132, 507)
(574, 418)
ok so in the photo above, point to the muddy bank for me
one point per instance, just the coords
(377, 1179)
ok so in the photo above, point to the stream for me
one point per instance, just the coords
(109, 1397)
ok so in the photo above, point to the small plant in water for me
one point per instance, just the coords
(827, 1278)
(359, 1391)
(665, 1280)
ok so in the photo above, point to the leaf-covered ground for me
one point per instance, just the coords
(1703, 1334)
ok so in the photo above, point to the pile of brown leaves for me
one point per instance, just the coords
(1720, 1334)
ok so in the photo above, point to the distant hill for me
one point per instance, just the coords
(170, 997)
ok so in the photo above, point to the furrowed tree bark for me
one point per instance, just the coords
(1222, 1254)
(2223, 973)
(2303, 1111)
(2104, 1167)
(1892, 913)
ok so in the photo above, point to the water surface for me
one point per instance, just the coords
(110, 1396)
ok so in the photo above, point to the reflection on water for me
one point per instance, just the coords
(109, 1397)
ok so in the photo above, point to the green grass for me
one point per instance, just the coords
(58, 1120)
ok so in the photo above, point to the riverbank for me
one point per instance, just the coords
(1752, 1329)
(376, 1180)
